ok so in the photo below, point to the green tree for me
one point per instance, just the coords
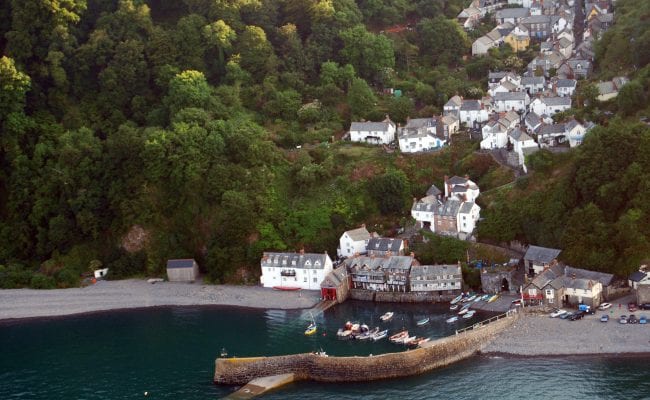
(361, 99)
(631, 98)
(390, 191)
(187, 89)
(13, 87)
(370, 55)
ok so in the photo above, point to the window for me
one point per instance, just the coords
(315, 279)
(549, 293)
(532, 292)
(305, 279)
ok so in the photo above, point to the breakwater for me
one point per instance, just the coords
(399, 297)
(309, 366)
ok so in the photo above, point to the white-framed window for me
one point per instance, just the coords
(315, 279)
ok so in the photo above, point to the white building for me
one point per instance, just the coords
(533, 84)
(550, 105)
(516, 101)
(354, 241)
(452, 107)
(294, 270)
(521, 142)
(421, 134)
(373, 132)
(461, 188)
(436, 278)
(575, 132)
(472, 113)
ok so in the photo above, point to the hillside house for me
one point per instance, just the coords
(353, 241)
(452, 107)
(472, 113)
(539, 258)
(373, 132)
(515, 101)
(421, 134)
(382, 247)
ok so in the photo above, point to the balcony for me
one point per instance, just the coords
(288, 272)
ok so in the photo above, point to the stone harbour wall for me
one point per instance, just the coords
(401, 297)
(436, 354)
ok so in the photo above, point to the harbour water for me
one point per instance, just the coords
(169, 352)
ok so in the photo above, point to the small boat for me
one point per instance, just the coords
(367, 334)
(454, 307)
(477, 299)
(456, 299)
(399, 337)
(312, 328)
(387, 316)
(224, 352)
(469, 314)
(471, 298)
(493, 298)
(463, 311)
(418, 342)
(408, 340)
(286, 288)
(344, 334)
(380, 335)
(452, 319)
(423, 321)
(485, 297)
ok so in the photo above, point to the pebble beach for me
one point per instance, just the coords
(135, 293)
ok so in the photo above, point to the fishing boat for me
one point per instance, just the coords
(387, 316)
(452, 319)
(418, 342)
(423, 321)
(344, 334)
(485, 297)
(368, 334)
(408, 340)
(457, 299)
(471, 298)
(312, 328)
(469, 314)
(380, 335)
(454, 307)
(399, 337)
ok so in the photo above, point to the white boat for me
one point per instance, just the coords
(367, 334)
(456, 299)
(463, 311)
(399, 337)
(471, 298)
(408, 340)
(387, 316)
(485, 297)
(454, 307)
(423, 322)
(344, 334)
(380, 335)
(469, 314)
(452, 319)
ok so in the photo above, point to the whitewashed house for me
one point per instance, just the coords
(533, 122)
(354, 241)
(294, 270)
(565, 87)
(373, 132)
(421, 134)
(461, 188)
(521, 143)
(452, 107)
(533, 84)
(472, 113)
(582, 291)
(550, 105)
(511, 15)
(494, 135)
(575, 132)
(516, 101)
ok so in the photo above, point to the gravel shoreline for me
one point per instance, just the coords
(134, 293)
(540, 335)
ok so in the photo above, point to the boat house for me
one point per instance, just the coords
(182, 270)
(336, 285)
(294, 270)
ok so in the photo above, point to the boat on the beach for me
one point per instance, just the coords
(485, 297)
(493, 298)
(452, 319)
(380, 335)
(469, 314)
(423, 321)
(286, 288)
(312, 328)
(454, 307)
(456, 299)
(470, 298)
(399, 337)
(387, 316)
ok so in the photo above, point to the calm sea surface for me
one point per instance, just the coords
(170, 353)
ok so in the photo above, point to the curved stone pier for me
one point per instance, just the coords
(307, 366)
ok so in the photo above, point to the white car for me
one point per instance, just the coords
(557, 313)
(604, 306)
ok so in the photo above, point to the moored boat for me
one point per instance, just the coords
(380, 335)
(399, 337)
(469, 314)
(454, 307)
(470, 298)
(387, 316)
(493, 298)
(456, 299)
(423, 321)
(452, 319)
(312, 328)
(344, 334)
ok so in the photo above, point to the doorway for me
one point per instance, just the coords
(505, 285)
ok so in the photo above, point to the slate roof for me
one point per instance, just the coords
(466, 207)
(455, 101)
(448, 209)
(606, 87)
(379, 263)
(384, 244)
(510, 96)
(181, 263)
(334, 278)
(533, 80)
(578, 283)
(433, 191)
(544, 278)
(496, 76)
(519, 135)
(370, 126)
(415, 123)
(470, 105)
(295, 260)
(553, 129)
(435, 270)
(566, 83)
(605, 279)
(541, 254)
(557, 101)
(533, 119)
(512, 13)
(359, 234)
(637, 276)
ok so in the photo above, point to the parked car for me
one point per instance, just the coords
(632, 319)
(622, 319)
(643, 320)
(557, 313)
(644, 306)
(631, 307)
(566, 315)
(604, 306)
(577, 315)
(604, 318)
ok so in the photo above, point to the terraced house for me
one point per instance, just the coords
(443, 279)
(388, 274)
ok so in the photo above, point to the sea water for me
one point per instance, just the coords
(169, 352)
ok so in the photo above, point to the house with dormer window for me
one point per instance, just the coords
(294, 270)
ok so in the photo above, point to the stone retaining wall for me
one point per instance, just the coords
(400, 297)
(439, 353)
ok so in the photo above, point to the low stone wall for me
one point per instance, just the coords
(436, 354)
(400, 297)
